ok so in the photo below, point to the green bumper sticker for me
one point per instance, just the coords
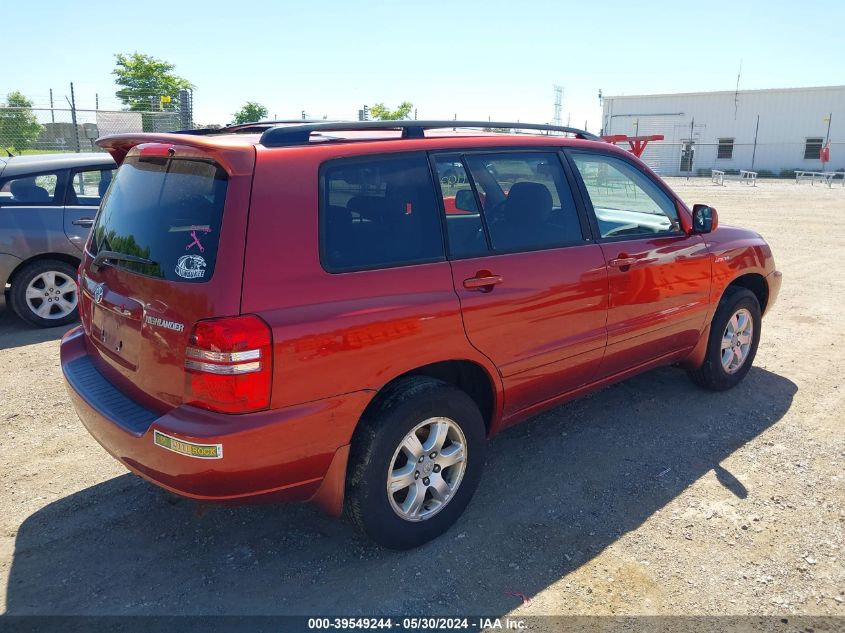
(199, 451)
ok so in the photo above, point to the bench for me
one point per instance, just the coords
(824, 177)
(718, 176)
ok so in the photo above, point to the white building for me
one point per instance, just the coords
(717, 130)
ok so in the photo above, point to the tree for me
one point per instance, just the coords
(382, 113)
(18, 126)
(144, 80)
(251, 111)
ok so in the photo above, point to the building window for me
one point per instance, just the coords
(813, 148)
(726, 148)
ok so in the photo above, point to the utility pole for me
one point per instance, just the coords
(73, 118)
(754, 152)
(52, 112)
(690, 148)
(827, 140)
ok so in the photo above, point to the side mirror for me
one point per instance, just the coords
(704, 219)
(465, 201)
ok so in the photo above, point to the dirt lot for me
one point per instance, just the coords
(650, 497)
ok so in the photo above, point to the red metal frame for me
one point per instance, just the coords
(637, 143)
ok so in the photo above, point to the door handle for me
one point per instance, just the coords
(622, 262)
(83, 222)
(484, 282)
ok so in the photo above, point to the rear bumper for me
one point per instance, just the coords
(282, 454)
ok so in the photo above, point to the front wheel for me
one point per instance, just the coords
(415, 462)
(732, 346)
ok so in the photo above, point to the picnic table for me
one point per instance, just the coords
(824, 177)
(718, 176)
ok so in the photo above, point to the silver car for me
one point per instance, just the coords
(47, 206)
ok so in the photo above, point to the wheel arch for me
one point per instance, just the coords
(62, 257)
(467, 375)
(756, 283)
(753, 282)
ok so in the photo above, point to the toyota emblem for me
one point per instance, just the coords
(98, 293)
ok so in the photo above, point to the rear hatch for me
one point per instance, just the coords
(166, 251)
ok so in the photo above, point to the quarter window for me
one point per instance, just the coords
(463, 216)
(526, 200)
(726, 148)
(380, 212)
(625, 201)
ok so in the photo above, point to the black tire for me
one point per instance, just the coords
(712, 375)
(24, 277)
(399, 409)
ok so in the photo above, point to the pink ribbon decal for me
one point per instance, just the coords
(196, 241)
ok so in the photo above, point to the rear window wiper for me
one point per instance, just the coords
(119, 257)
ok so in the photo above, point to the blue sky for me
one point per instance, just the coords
(474, 59)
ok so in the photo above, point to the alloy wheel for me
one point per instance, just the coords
(426, 469)
(736, 340)
(52, 295)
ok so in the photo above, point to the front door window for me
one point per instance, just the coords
(625, 201)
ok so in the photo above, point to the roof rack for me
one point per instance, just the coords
(283, 136)
(249, 128)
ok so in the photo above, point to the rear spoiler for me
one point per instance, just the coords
(235, 155)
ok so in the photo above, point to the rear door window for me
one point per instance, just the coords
(526, 200)
(88, 186)
(378, 212)
(167, 211)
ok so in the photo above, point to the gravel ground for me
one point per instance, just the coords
(649, 497)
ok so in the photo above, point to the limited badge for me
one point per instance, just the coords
(190, 267)
(199, 451)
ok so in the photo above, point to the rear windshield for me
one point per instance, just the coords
(165, 210)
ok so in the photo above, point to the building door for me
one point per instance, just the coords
(687, 155)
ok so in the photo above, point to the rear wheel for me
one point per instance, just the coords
(732, 346)
(416, 461)
(44, 293)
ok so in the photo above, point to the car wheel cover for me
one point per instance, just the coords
(52, 295)
(736, 341)
(427, 469)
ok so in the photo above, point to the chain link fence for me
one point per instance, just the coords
(41, 128)
(778, 160)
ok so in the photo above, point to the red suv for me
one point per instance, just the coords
(342, 313)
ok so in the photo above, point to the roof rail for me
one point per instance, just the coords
(283, 136)
(249, 128)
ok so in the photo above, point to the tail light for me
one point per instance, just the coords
(229, 365)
